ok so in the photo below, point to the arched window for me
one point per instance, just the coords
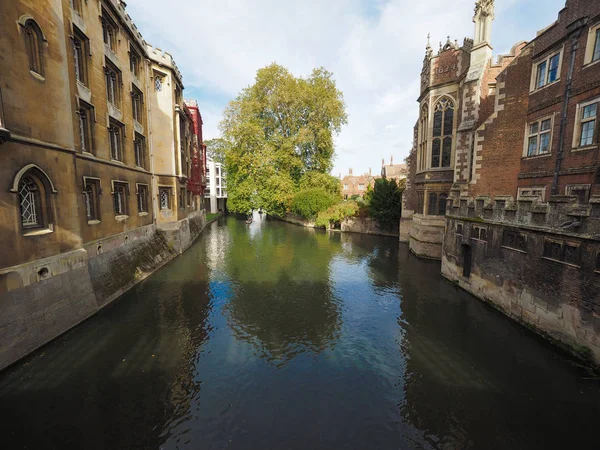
(34, 45)
(33, 189)
(443, 126)
(422, 141)
(432, 204)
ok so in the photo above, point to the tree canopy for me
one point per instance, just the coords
(385, 202)
(276, 132)
(215, 149)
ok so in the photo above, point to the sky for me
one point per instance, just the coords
(374, 48)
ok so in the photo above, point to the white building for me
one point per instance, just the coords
(215, 194)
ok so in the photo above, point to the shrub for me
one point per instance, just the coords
(385, 203)
(336, 214)
(309, 202)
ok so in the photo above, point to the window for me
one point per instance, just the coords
(91, 192)
(345, 186)
(178, 95)
(109, 31)
(442, 204)
(581, 191)
(547, 71)
(135, 62)
(443, 126)
(189, 198)
(564, 251)
(76, 6)
(164, 195)
(115, 137)
(80, 56)
(596, 54)
(422, 136)
(86, 126)
(30, 202)
(459, 228)
(113, 84)
(420, 202)
(158, 82)
(479, 233)
(120, 191)
(33, 189)
(142, 198)
(432, 204)
(539, 192)
(514, 240)
(137, 101)
(34, 41)
(139, 147)
(361, 187)
(540, 133)
(586, 133)
(181, 198)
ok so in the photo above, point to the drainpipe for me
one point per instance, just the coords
(564, 111)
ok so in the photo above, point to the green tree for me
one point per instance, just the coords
(309, 202)
(276, 131)
(385, 203)
(215, 149)
(329, 183)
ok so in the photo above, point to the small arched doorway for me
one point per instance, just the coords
(466, 260)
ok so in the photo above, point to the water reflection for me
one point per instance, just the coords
(276, 336)
(282, 301)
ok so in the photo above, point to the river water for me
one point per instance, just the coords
(272, 336)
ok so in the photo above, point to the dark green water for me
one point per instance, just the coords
(278, 337)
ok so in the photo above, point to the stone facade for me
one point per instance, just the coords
(458, 92)
(86, 139)
(356, 184)
(524, 232)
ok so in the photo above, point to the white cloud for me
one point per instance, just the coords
(375, 49)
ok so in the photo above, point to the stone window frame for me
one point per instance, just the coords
(592, 46)
(538, 135)
(86, 118)
(35, 43)
(92, 204)
(113, 81)
(181, 198)
(169, 201)
(460, 228)
(533, 87)
(361, 186)
(137, 104)
(45, 207)
(81, 54)
(76, 7)
(116, 140)
(563, 253)
(519, 238)
(423, 137)
(142, 192)
(161, 78)
(586, 188)
(139, 150)
(479, 233)
(442, 102)
(579, 121)
(123, 213)
(110, 31)
(345, 187)
(135, 61)
(537, 191)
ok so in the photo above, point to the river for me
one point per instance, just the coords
(273, 336)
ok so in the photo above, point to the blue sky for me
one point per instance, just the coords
(375, 49)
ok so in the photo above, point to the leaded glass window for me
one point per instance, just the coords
(29, 200)
(443, 129)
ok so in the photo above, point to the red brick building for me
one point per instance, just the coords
(197, 181)
(522, 228)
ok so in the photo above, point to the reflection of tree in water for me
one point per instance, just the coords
(282, 301)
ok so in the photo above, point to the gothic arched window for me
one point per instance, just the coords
(30, 203)
(34, 40)
(422, 138)
(443, 127)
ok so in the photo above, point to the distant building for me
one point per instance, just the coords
(356, 184)
(215, 194)
(393, 171)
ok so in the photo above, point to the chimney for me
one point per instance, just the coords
(391, 160)
(340, 175)
(369, 171)
(350, 171)
(382, 162)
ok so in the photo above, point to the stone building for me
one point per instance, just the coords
(356, 184)
(85, 145)
(393, 171)
(458, 90)
(524, 232)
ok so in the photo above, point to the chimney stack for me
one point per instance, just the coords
(350, 171)
(382, 162)
(369, 171)
(391, 160)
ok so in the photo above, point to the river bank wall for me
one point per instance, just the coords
(48, 297)
(363, 225)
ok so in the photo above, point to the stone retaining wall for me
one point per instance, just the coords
(41, 300)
